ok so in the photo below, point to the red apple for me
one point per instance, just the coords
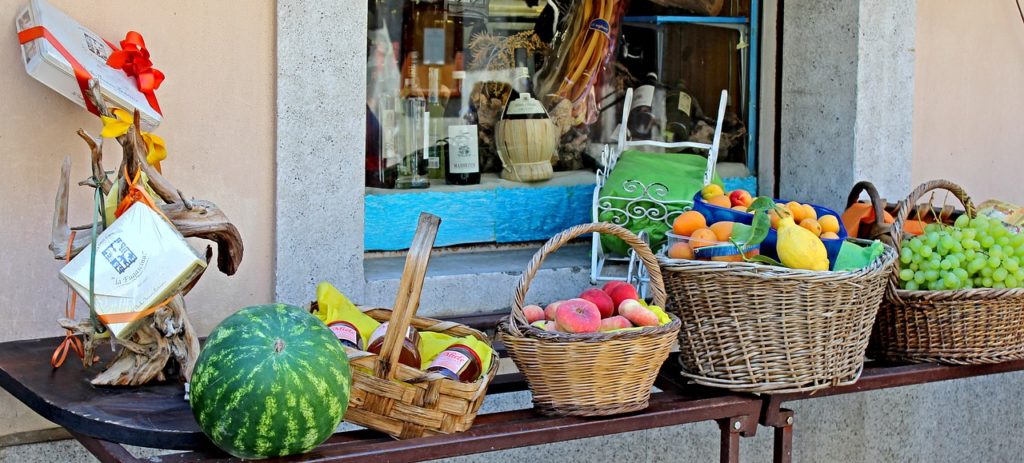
(549, 311)
(623, 292)
(578, 316)
(740, 198)
(601, 300)
(533, 313)
(609, 286)
(617, 322)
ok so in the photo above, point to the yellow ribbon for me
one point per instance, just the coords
(118, 125)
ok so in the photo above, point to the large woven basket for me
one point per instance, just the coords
(967, 326)
(591, 374)
(399, 400)
(756, 328)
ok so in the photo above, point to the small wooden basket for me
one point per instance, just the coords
(589, 374)
(960, 327)
(407, 402)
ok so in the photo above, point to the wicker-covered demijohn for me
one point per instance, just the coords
(965, 326)
(589, 374)
(399, 400)
(757, 328)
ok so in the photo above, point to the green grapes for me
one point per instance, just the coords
(971, 253)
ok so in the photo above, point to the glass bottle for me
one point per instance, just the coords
(415, 145)
(641, 117)
(410, 353)
(458, 362)
(436, 154)
(387, 154)
(462, 160)
(678, 109)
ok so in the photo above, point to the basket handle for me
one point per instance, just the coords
(517, 318)
(876, 201)
(907, 205)
(408, 298)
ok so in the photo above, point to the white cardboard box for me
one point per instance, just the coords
(46, 64)
(141, 260)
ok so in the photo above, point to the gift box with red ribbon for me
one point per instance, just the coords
(64, 55)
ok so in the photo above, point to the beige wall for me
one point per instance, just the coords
(969, 97)
(220, 120)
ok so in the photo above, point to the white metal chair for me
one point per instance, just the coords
(650, 201)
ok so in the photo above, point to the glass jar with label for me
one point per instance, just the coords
(458, 362)
(346, 333)
(410, 353)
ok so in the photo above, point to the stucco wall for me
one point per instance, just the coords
(220, 120)
(968, 96)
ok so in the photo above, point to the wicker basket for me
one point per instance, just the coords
(399, 400)
(757, 328)
(967, 326)
(591, 374)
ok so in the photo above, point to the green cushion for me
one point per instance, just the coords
(646, 191)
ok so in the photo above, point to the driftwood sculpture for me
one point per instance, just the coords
(166, 344)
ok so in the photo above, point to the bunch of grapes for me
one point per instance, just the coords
(973, 253)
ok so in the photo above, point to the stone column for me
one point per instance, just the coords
(847, 98)
(321, 100)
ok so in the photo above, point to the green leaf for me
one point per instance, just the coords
(761, 203)
(748, 235)
(764, 260)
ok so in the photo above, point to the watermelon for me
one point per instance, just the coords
(271, 380)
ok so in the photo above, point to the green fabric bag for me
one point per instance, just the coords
(662, 185)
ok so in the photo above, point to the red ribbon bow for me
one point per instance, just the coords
(133, 59)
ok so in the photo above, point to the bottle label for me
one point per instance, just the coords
(346, 333)
(451, 360)
(600, 25)
(463, 144)
(525, 105)
(382, 329)
(685, 102)
(433, 162)
(643, 96)
(433, 45)
(522, 73)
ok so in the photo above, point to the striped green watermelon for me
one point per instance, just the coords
(271, 380)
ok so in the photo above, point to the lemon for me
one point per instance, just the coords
(799, 248)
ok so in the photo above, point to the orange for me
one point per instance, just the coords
(777, 214)
(722, 230)
(687, 222)
(809, 212)
(720, 201)
(680, 251)
(796, 210)
(732, 258)
(829, 224)
(829, 235)
(811, 225)
(703, 237)
(740, 208)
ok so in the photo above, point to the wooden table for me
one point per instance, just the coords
(103, 419)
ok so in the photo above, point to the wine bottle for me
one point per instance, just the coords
(438, 146)
(642, 121)
(462, 159)
(521, 82)
(678, 109)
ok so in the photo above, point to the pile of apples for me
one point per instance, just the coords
(612, 307)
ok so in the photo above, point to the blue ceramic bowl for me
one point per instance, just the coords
(715, 213)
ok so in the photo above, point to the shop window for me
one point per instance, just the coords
(469, 116)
